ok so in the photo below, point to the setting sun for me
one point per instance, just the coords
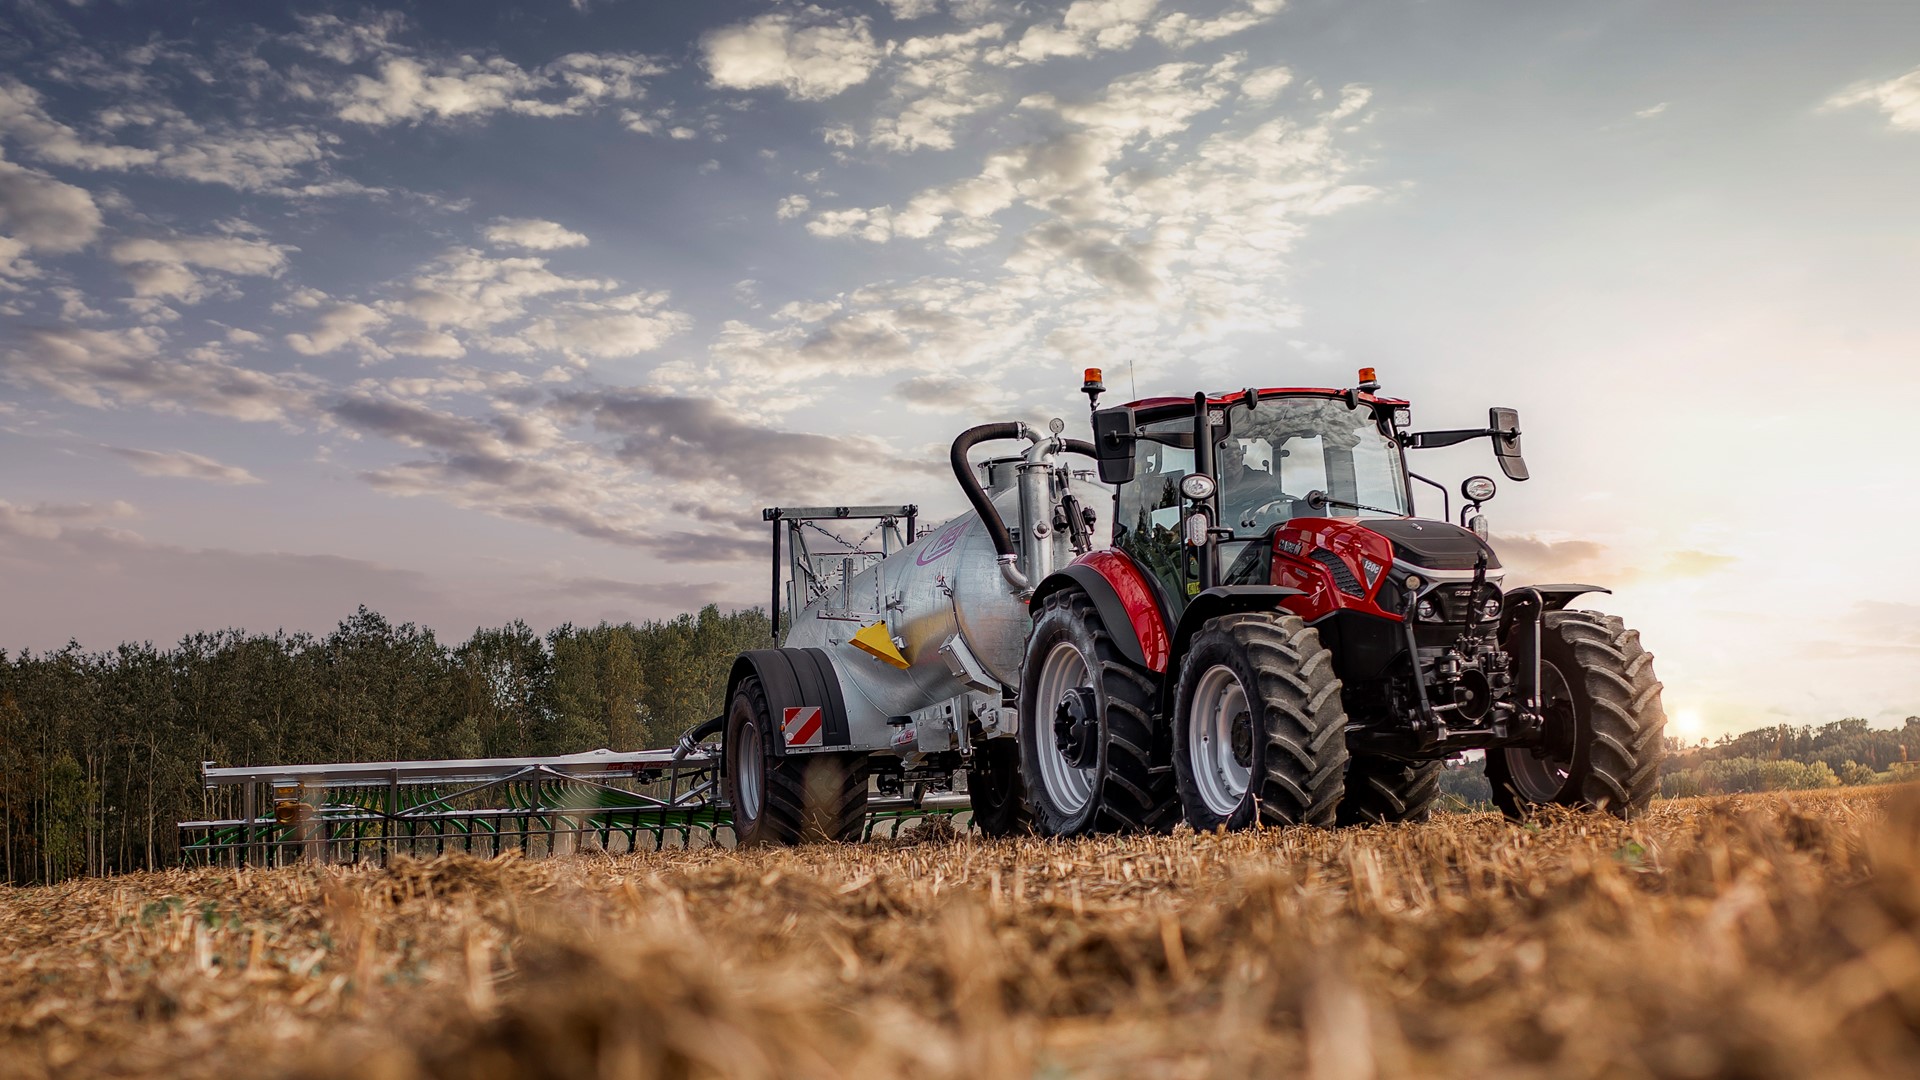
(1685, 724)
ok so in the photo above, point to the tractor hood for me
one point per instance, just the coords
(1434, 545)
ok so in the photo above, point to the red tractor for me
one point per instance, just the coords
(1275, 636)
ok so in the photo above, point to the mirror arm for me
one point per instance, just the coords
(1424, 440)
(1446, 497)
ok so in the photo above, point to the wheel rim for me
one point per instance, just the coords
(1063, 672)
(749, 770)
(1219, 740)
(1541, 775)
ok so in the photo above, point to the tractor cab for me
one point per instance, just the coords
(1204, 483)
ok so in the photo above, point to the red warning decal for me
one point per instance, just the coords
(803, 726)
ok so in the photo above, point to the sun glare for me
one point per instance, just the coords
(1686, 724)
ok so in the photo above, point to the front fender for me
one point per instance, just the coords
(1217, 601)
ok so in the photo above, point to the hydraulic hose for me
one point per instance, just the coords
(1081, 447)
(697, 734)
(977, 495)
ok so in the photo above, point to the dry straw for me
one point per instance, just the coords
(1753, 937)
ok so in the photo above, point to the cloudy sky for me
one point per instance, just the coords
(474, 311)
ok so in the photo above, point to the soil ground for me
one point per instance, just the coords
(1755, 936)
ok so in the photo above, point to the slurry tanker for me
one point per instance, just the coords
(1223, 609)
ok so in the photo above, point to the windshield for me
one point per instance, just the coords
(1278, 452)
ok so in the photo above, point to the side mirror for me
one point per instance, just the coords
(1504, 426)
(1113, 438)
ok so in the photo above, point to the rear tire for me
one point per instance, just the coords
(996, 790)
(1604, 714)
(1259, 728)
(1098, 778)
(787, 800)
(1382, 790)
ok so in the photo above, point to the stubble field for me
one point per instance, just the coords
(1749, 937)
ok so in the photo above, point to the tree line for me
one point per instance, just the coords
(1784, 757)
(100, 752)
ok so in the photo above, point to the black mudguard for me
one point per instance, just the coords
(795, 678)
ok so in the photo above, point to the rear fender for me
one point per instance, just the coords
(1122, 598)
(795, 679)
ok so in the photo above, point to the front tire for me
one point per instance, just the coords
(1259, 728)
(1086, 729)
(787, 800)
(1382, 790)
(1604, 723)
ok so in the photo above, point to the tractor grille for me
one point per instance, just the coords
(1343, 578)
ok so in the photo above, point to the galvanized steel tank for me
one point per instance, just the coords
(949, 584)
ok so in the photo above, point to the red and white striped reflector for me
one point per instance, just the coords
(803, 726)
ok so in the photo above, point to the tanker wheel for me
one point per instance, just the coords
(787, 800)
(1602, 743)
(1086, 729)
(1259, 728)
(1380, 790)
(994, 786)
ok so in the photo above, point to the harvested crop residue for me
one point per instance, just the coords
(1752, 937)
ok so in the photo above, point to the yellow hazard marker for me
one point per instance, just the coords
(877, 642)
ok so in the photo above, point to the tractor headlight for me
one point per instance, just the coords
(1478, 488)
(1425, 609)
(1490, 608)
(1196, 486)
(1477, 525)
(1403, 418)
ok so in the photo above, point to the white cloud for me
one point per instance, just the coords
(1897, 98)
(24, 117)
(618, 327)
(345, 42)
(244, 158)
(912, 9)
(169, 266)
(1179, 30)
(1135, 253)
(533, 234)
(1086, 26)
(433, 343)
(1650, 111)
(43, 213)
(407, 89)
(937, 82)
(814, 56)
(182, 464)
(792, 207)
(468, 289)
(1266, 84)
(339, 324)
(102, 368)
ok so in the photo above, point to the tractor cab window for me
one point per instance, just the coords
(1146, 520)
(1277, 453)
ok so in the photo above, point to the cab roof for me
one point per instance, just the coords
(1266, 393)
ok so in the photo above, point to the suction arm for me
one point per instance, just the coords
(977, 495)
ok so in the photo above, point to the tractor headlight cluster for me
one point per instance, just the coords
(1490, 608)
(1196, 486)
(1425, 609)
